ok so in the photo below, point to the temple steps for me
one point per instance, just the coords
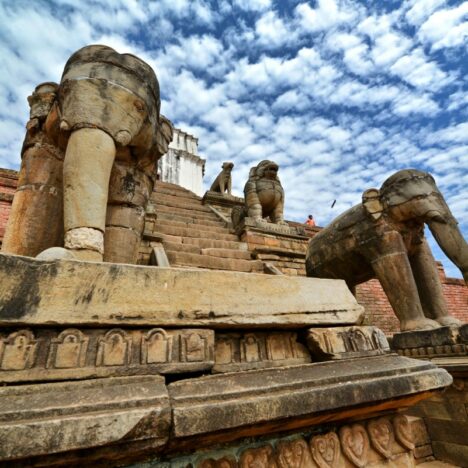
(193, 236)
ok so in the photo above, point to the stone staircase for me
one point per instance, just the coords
(193, 236)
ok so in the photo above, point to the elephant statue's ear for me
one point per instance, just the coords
(164, 135)
(372, 204)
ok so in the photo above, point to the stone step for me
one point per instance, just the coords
(176, 202)
(214, 263)
(227, 253)
(204, 243)
(214, 252)
(208, 215)
(170, 246)
(193, 232)
(175, 192)
(165, 216)
(199, 226)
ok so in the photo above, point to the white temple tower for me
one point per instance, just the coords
(181, 165)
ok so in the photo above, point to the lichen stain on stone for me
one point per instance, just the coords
(26, 295)
(87, 297)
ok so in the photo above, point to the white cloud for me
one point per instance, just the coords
(420, 10)
(253, 5)
(417, 71)
(327, 15)
(446, 28)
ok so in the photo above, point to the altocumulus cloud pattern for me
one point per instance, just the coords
(340, 93)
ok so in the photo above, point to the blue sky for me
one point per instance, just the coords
(340, 93)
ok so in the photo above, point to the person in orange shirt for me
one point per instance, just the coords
(310, 221)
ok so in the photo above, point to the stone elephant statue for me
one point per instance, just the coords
(89, 160)
(383, 237)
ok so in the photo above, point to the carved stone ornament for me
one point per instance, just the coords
(381, 436)
(224, 462)
(18, 351)
(326, 450)
(156, 347)
(293, 454)
(114, 349)
(403, 432)
(68, 350)
(193, 347)
(261, 457)
(355, 444)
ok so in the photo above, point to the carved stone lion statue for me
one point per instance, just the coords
(223, 182)
(264, 195)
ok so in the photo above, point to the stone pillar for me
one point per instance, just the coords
(36, 217)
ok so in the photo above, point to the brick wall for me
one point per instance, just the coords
(8, 183)
(370, 294)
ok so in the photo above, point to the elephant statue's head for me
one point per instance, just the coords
(413, 195)
(117, 93)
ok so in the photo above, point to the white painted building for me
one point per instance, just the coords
(181, 165)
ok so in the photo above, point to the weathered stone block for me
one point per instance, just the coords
(57, 417)
(230, 406)
(449, 452)
(425, 338)
(78, 293)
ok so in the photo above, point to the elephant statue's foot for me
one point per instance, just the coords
(418, 324)
(56, 253)
(86, 243)
(449, 321)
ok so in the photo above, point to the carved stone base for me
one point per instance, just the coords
(89, 353)
(440, 342)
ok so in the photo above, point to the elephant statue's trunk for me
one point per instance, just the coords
(451, 241)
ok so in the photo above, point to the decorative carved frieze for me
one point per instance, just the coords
(46, 354)
(346, 342)
(244, 351)
(384, 441)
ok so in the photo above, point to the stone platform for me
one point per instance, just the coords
(107, 364)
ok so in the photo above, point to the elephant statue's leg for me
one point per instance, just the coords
(429, 286)
(390, 263)
(87, 167)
